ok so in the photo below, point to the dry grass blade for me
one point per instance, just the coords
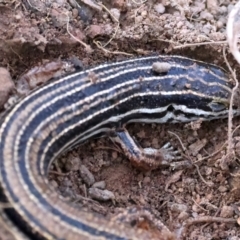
(233, 30)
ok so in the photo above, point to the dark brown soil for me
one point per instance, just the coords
(33, 32)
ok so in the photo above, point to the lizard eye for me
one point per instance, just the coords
(217, 106)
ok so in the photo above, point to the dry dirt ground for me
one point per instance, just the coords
(34, 32)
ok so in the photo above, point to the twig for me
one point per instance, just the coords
(199, 44)
(108, 51)
(118, 24)
(87, 47)
(230, 114)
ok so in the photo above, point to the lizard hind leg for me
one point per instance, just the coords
(144, 158)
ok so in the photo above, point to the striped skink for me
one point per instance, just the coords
(82, 105)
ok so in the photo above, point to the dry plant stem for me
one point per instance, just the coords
(199, 44)
(92, 5)
(136, 12)
(233, 30)
(188, 156)
(207, 219)
(98, 44)
(236, 129)
(164, 40)
(58, 173)
(30, 4)
(183, 147)
(87, 47)
(109, 148)
(118, 24)
(180, 141)
(230, 114)
(208, 223)
(140, 2)
(213, 154)
(209, 184)
(81, 198)
(220, 149)
(199, 206)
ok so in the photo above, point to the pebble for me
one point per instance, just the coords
(101, 195)
(179, 207)
(73, 164)
(100, 185)
(227, 212)
(54, 184)
(75, 13)
(120, 4)
(146, 180)
(94, 30)
(212, 5)
(115, 14)
(222, 189)
(206, 15)
(159, 8)
(59, 17)
(183, 216)
(161, 67)
(7, 86)
(42, 74)
(86, 175)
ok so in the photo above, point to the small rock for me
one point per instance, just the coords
(92, 5)
(86, 175)
(197, 146)
(54, 184)
(144, 13)
(208, 171)
(42, 74)
(61, 2)
(102, 195)
(66, 182)
(11, 101)
(138, 19)
(73, 164)
(159, 8)
(18, 17)
(227, 212)
(222, 189)
(114, 155)
(115, 14)
(94, 30)
(206, 15)
(67, 192)
(212, 5)
(223, 10)
(100, 185)
(75, 13)
(73, 3)
(183, 216)
(195, 209)
(23, 87)
(7, 86)
(146, 180)
(59, 17)
(179, 207)
(219, 24)
(120, 4)
(161, 67)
